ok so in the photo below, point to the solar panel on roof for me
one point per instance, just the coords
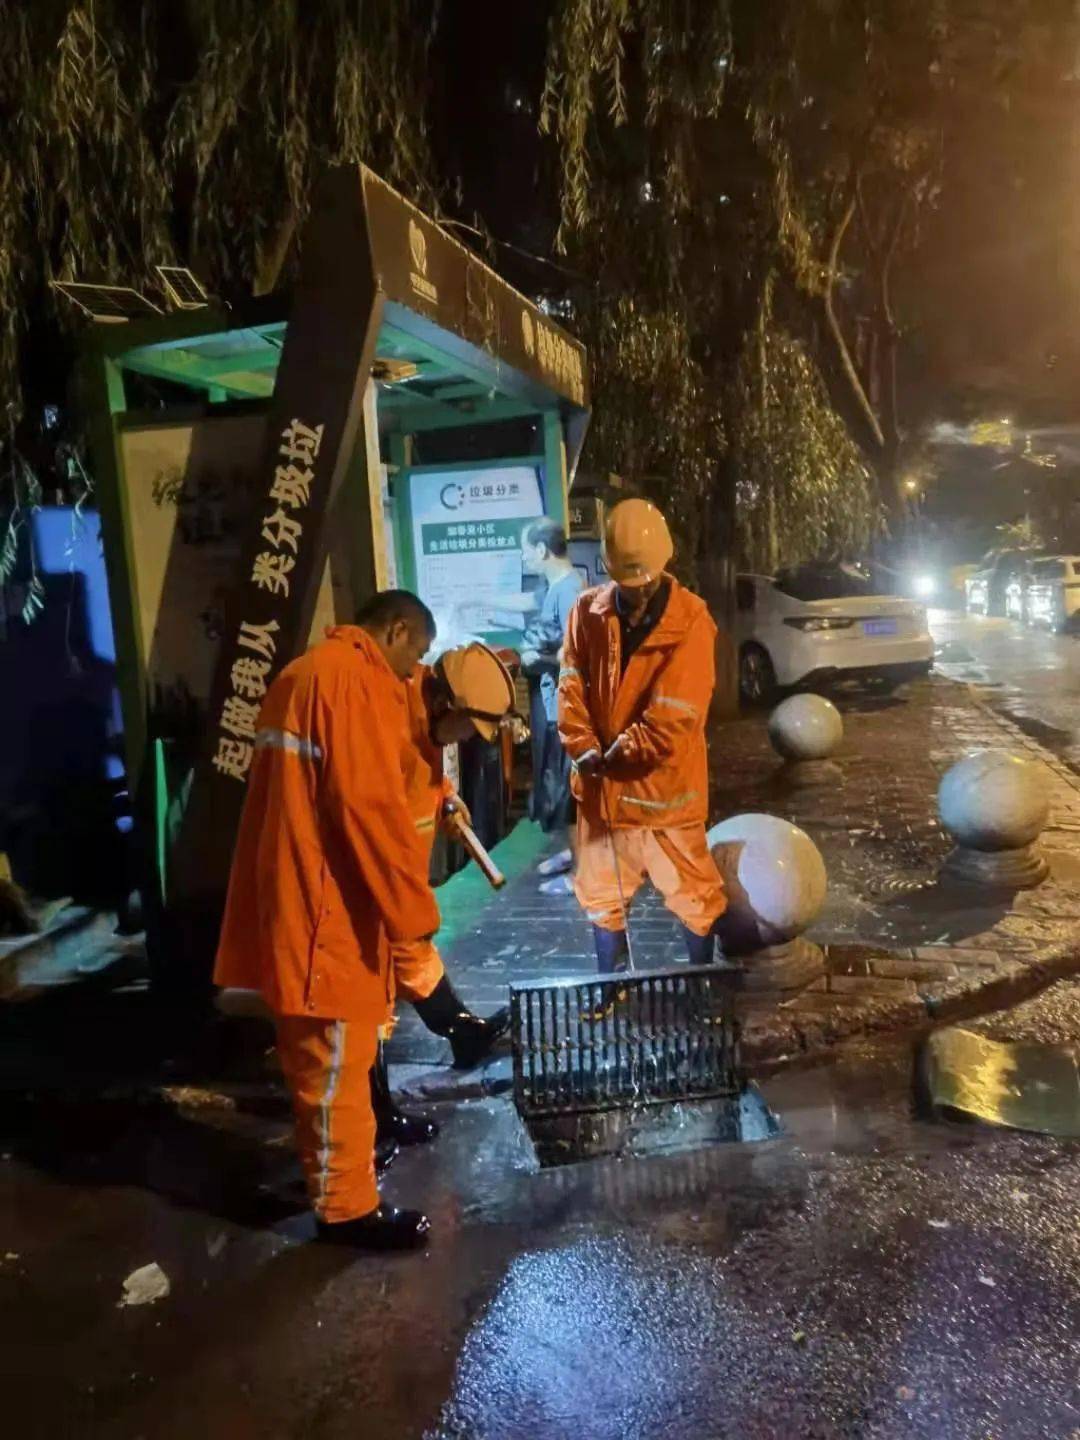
(107, 303)
(182, 287)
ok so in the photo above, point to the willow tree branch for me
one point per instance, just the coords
(883, 252)
(843, 352)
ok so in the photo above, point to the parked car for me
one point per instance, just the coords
(987, 589)
(1053, 592)
(1016, 589)
(818, 624)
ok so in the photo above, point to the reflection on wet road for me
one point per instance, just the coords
(862, 1277)
(865, 1275)
(868, 1274)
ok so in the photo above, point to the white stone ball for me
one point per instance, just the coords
(774, 878)
(992, 800)
(805, 727)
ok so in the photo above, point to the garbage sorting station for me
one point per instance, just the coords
(398, 426)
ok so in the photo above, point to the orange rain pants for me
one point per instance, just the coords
(676, 860)
(326, 1065)
(418, 968)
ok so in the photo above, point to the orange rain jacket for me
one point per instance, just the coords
(417, 965)
(659, 777)
(328, 867)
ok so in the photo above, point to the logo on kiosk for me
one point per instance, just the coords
(418, 246)
(418, 276)
(556, 356)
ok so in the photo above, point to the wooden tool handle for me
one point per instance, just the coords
(469, 838)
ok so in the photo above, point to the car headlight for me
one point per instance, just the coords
(924, 586)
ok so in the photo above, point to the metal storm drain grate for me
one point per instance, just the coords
(612, 1043)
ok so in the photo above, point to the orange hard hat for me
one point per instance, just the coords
(637, 542)
(481, 685)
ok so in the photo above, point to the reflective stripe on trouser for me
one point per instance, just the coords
(326, 1065)
(676, 860)
(417, 968)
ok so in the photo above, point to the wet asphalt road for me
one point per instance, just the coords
(866, 1275)
(1032, 674)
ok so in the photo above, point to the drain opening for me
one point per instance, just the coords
(631, 1064)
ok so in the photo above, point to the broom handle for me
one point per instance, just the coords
(471, 841)
(618, 877)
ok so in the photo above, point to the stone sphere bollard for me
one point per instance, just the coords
(805, 730)
(995, 806)
(775, 882)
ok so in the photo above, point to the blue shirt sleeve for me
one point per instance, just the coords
(566, 592)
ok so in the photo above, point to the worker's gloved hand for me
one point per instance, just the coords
(613, 750)
(455, 812)
(591, 763)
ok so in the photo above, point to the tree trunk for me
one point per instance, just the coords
(273, 254)
(858, 397)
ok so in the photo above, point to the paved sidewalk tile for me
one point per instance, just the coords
(900, 947)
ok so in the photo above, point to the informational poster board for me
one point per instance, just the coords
(467, 537)
(187, 489)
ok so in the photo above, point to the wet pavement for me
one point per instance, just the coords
(1030, 673)
(867, 1274)
(904, 945)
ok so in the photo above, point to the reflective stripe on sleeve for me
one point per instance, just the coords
(672, 804)
(675, 703)
(286, 740)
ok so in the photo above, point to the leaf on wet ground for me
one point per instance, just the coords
(145, 1285)
(195, 1097)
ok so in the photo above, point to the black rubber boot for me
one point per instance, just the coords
(386, 1228)
(392, 1124)
(472, 1038)
(612, 951)
(612, 958)
(700, 949)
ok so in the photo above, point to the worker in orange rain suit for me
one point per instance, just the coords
(327, 871)
(635, 684)
(467, 692)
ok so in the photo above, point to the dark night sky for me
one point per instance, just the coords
(487, 78)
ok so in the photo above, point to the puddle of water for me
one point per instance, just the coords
(1020, 1086)
(636, 1131)
(860, 1103)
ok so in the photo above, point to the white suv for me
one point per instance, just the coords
(1052, 594)
(821, 623)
